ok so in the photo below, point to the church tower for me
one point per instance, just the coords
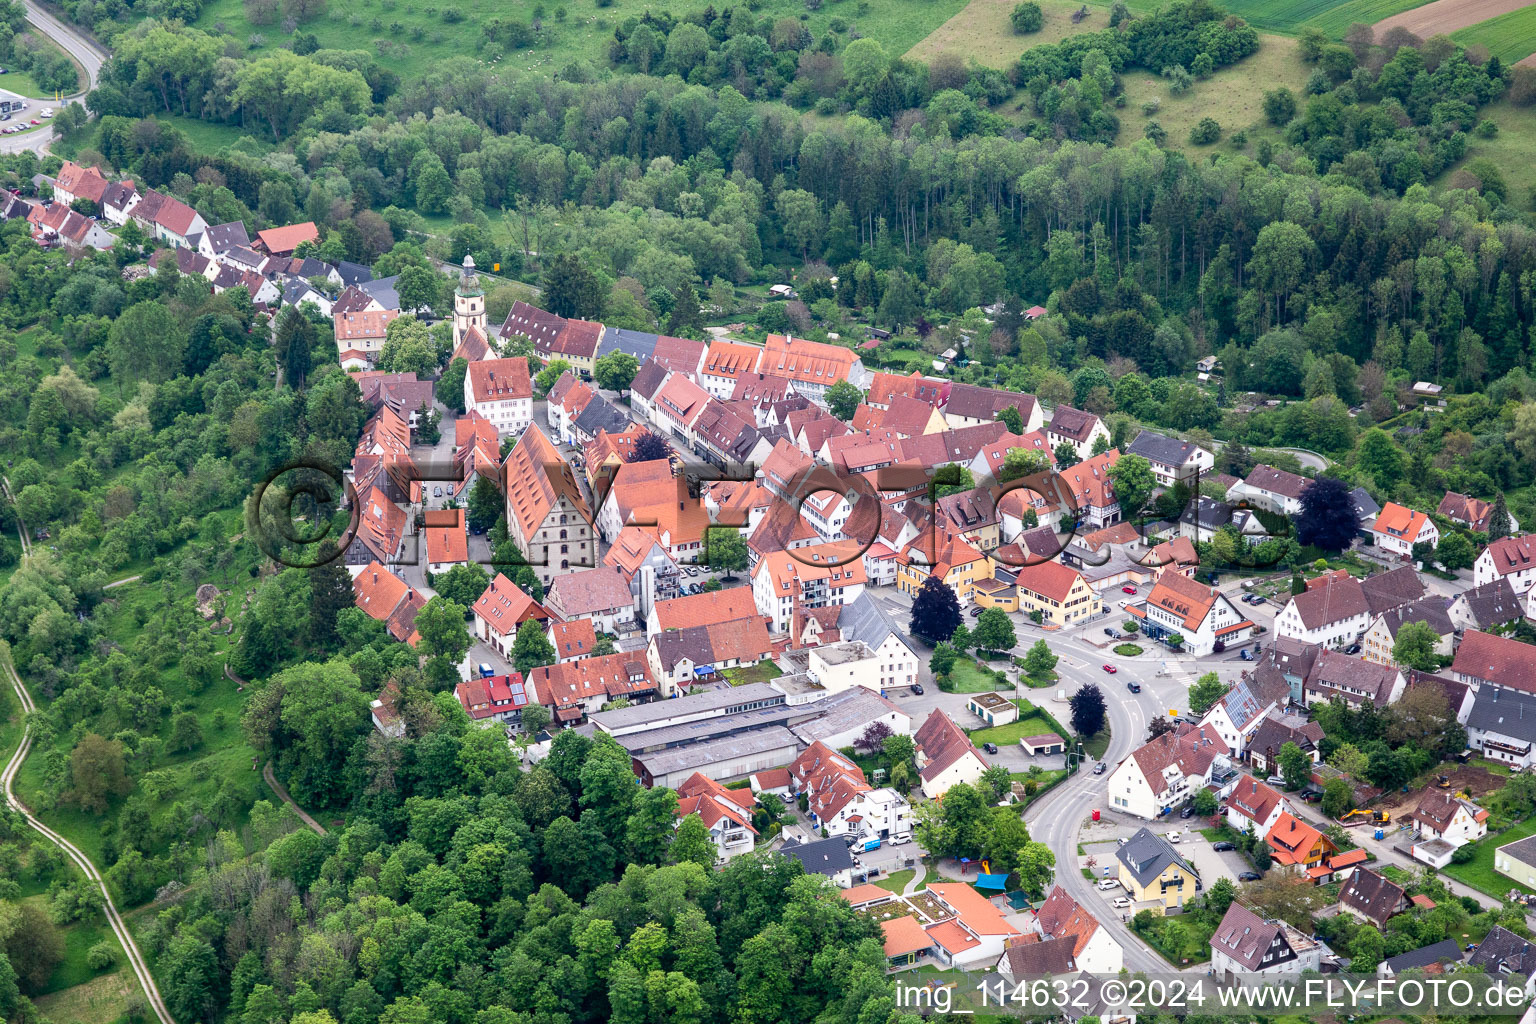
(468, 303)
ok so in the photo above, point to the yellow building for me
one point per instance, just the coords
(1058, 593)
(1153, 872)
(950, 558)
(994, 593)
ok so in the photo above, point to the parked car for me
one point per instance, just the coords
(900, 840)
(692, 570)
(1260, 599)
(917, 688)
(1187, 813)
(1246, 654)
(1111, 669)
(1173, 837)
(1127, 589)
(990, 748)
(1109, 883)
(1311, 796)
(1112, 633)
(1249, 876)
(1133, 686)
(1275, 780)
(36, 121)
(1121, 902)
(975, 612)
(1223, 847)
(45, 112)
(1122, 840)
(1352, 649)
(1100, 768)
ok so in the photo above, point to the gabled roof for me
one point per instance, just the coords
(744, 640)
(280, 241)
(865, 620)
(1089, 481)
(537, 479)
(1183, 597)
(969, 401)
(731, 359)
(1245, 936)
(1276, 481)
(1371, 896)
(1509, 713)
(500, 380)
(589, 591)
(370, 324)
(1496, 659)
(1354, 679)
(1502, 951)
(1336, 601)
(573, 639)
(885, 386)
(809, 361)
(1437, 809)
(607, 675)
(1512, 554)
(1429, 610)
(1398, 521)
(1048, 579)
(1047, 957)
(679, 355)
(1492, 604)
(822, 857)
(82, 182)
(703, 609)
(381, 525)
(447, 543)
(943, 743)
(1470, 511)
(504, 606)
(1189, 748)
(1291, 839)
(1147, 855)
(1254, 800)
(648, 380)
(1276, 730)
(1446, 951)
(1073, 423)
(1162, 449)
(1062, 917)
(484, 697)
(904, 935)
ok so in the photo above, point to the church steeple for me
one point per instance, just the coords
(468, 302)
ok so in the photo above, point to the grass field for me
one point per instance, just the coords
(413, 39)
(982, 31)
(1233, 97)
(967, 678)
(1513, 150)
(896, 881)
(99, 1001)
(1509, 37)
(1006, 735)
(1478, 872)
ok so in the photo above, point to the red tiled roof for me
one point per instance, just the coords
(280, 241)
(505, 606)
(500, 379)
(942, 742)
(1048, 579)
(1512, 554)
(1497, 659)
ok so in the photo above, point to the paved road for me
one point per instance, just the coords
(135, 958)
(90, 57)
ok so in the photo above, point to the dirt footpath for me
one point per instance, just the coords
(1443, 17)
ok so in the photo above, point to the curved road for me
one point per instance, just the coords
(72, 41)
(135, 958)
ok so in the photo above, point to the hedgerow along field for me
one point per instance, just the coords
(414, 38)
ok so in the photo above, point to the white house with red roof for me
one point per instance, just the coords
(168, 219)
(1509, 558)
(970, 931)
(500, 610)
(841, 799)
(1165, 772)
(726, 813)
(1093, 948)
(574, 689)
(501, 391)
(945, 755)
(1397, 529)
(387, 598)
(1201, 615)
(446, 539)
(360, 336)
(1253, 806)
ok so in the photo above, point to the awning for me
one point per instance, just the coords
(704, 670)
(998, 882)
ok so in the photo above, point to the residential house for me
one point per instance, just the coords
(840, 799)
(168, 219)
(1089, 492)
(727, 439)
(381, 526)
(447, 541)
(500, 609)
(1274, 732)
(635, 550)
(969, 405)
(1366, 511)
(572, 640)
(700, 610)
(1470, 512)
(1502, 952)
(1254, 806)
(493, 698)
(678, 656)
(576, 689)
(297, 290)
(283, 241)
(1431, 959)
(1056, 594)
(385, 597)
(1037, 959)
(1153, 872)
(1487, 607)
(1166, 771)
(970, 932)
(726, 813)
(57, 223)
(1202, 616)
(642, 390)
(810, 577)
(1271, 489)
(118, 201)
(1381, 636)
(476, 454)
(945, 755)
(726, 363)
(1094, 949)
(1517, 860)
(1355, 681)
(1296, 846)
(1440, 815)
(945, 556)
(385, 712)
(600, 594)
(904, 418)
(813, 366)
(1172, 461)
(1372, 898)
(1502, 725)
(864, 620)
(537, 325)
(501, 391)
(1245, 943)
(1508, 558)
(76, 182)
(546, 514)
(1081, 430)
(829, 858)
(1484, 660)
(1339, 611)
(1397, 529)
(883, 387)
(360, 336)
(677, 407)
(1241, 712)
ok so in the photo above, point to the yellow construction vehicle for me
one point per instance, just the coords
(1381, 817)
(1444, 782)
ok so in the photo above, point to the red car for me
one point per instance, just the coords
(1111, 669)
(1127, 589)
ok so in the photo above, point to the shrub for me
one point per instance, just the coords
(1487, 130)
(452, 15)
(101, 956)
(1026, 18)
(1205, 132)
(1179, 79)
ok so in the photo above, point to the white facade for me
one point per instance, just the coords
(510, 416)
(1484, 571)
(1201, 639)
(1288, 623)
(967, 769)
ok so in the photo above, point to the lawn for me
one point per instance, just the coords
(897, 881)
(1478, 872)
(1006, 735)
(414, 40)
(1333, 17)
(102, 1000)
(1180, 939)
(1509, 37)
(983, 33)
(759, 673)
(1233, 97)
(967, 678)
(1097, 745)
(1127, 650)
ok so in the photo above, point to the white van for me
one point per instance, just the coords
(1173, 837)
